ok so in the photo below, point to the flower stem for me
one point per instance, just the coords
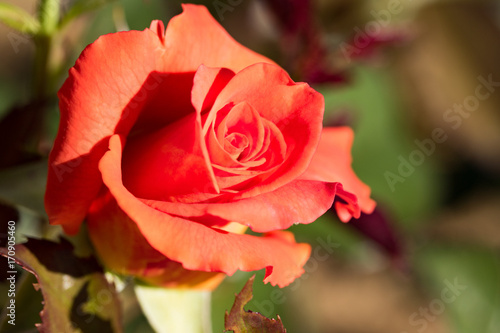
(176, 310)
(49, 12)
(41, 80)
(48, 15)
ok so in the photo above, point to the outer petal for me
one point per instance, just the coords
(195, 38)
(112, 232)
(199, 247)
(332, 163)
(102, 96)
(300, 201)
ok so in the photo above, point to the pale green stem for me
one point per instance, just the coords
(48, 15)
(176, 310)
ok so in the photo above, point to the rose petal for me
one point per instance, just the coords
(267, 161)
(112, 232)
(274, 148)
(332, 163)
(300, 201)
(195, 37)
(170, 162)
(158, 27)
(295, 108)
(99, 98)
(242, 119)
(199, 247)
(168, 101)
(264, 155)
(207, 84)
(235, 144)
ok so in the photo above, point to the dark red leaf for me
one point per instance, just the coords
(240, 321)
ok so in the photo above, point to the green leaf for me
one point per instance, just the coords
(175, 310)
(77, 297)
(241, 321)
(27, 298)
(18, 19)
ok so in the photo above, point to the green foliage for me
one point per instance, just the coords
(76, 294)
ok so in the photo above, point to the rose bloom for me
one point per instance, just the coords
(173, 142)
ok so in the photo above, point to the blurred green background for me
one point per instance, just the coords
(439, 220)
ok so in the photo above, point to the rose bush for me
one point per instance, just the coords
(173, 142)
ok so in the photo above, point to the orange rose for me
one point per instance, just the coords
(172, 143)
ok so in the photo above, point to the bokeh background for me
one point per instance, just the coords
(404, 74)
